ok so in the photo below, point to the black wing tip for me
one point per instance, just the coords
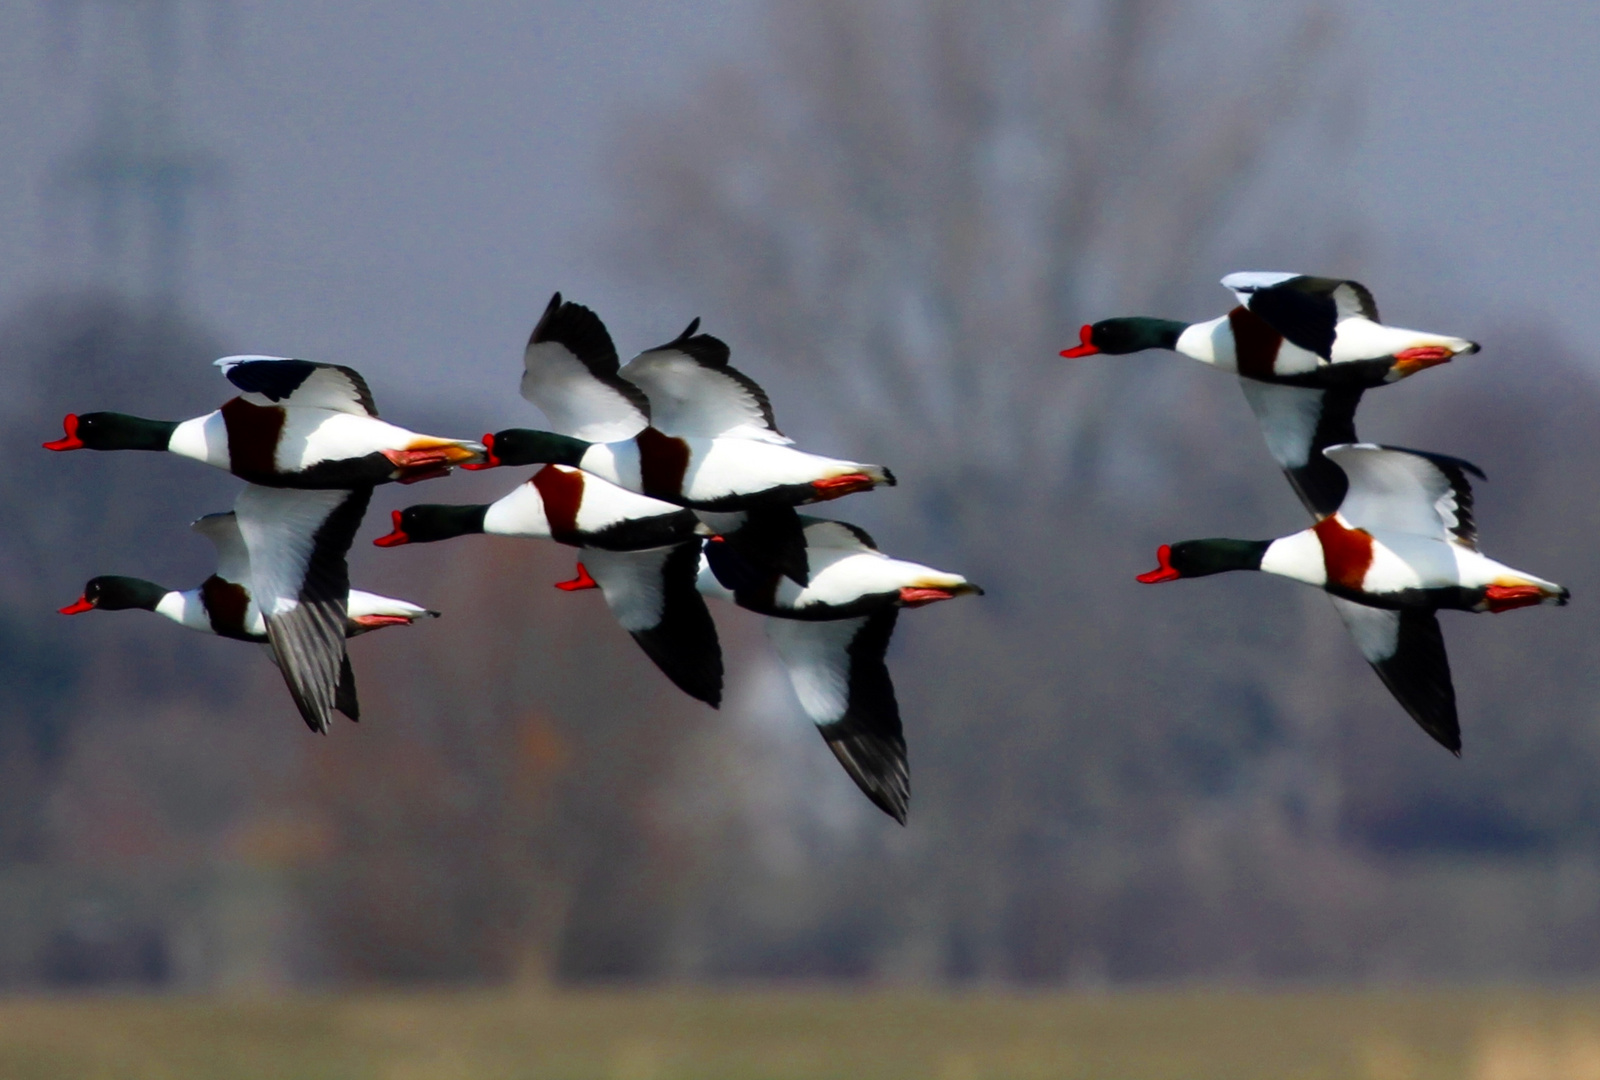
(580, 330)
(1444, 461)
(701, 348)
(877, 763)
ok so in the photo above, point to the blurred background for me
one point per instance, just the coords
(896, 214)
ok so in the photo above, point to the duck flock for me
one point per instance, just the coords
(670, 477)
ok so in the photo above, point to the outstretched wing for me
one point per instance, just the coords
(653, 595)
(694, 393)
(1305, 310)
(839, 675)
(233, 558)
(834, 535)
(769, 538)
(276, 380)
(1408, 491)
(1299, 423)
(1407, 651)
(570, 373)
(297, 542)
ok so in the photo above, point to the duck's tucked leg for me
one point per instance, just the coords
(582, 581)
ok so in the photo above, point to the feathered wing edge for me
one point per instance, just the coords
(309, 640)
(1406, 649)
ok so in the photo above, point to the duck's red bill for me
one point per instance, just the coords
(1498, 598)
(78, 606)
(1413, 360)
(372, 622)
(490, 462)
(70, 441)
(1084, 347)
(396, 538)
(911, 597)
(582, 581)
(835, 486)
(1165, 571)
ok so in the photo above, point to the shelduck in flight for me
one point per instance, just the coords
(642, 553)
(1401, 546)
(226, 604)
(295, 424)
(1305, 349)
(678, 423)
(832, 635)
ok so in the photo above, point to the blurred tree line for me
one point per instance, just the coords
(897, 214)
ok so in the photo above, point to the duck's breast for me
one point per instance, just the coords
(205, 438)
(1210, 343)
(186, 609)
(617, 462)
(520, 513)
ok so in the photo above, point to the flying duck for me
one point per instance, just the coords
(643, 554)
(832, 635)
(677, 423)
(296, 424)
(1305, 349)
(1401, 546)
(225, 604)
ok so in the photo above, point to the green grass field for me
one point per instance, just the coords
(796, 1035)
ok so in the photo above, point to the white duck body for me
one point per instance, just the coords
(1356, 340)
(574, 506)
(1398, 565)
(309, 437)
(720, 473)
(842, 576)
(366, 611)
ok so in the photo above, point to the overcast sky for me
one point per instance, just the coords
(407, 182)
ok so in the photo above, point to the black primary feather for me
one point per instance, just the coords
(1320, 483)
(310, 640)
(868, 739)
(1418, 675)
(684, 643)
(581, 332)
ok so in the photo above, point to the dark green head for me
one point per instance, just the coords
(522, 446)
(112, 593)
(427, 522)
(1201, 558)
(1117, 337)
(113, 431)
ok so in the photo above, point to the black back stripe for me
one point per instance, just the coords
(276, 380)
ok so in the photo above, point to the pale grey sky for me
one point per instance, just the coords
(409, 180)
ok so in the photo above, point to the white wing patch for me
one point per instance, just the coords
(690, 398)
(1288, 416)
(278, 527)
(631, 583)
(1376, 631)
(233, 558)
(1395, 490)
(573, 400)
(1245, 282)
(818, 658)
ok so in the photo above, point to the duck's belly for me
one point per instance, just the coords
(720, 469)
(314, 436)
(1403, 563)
